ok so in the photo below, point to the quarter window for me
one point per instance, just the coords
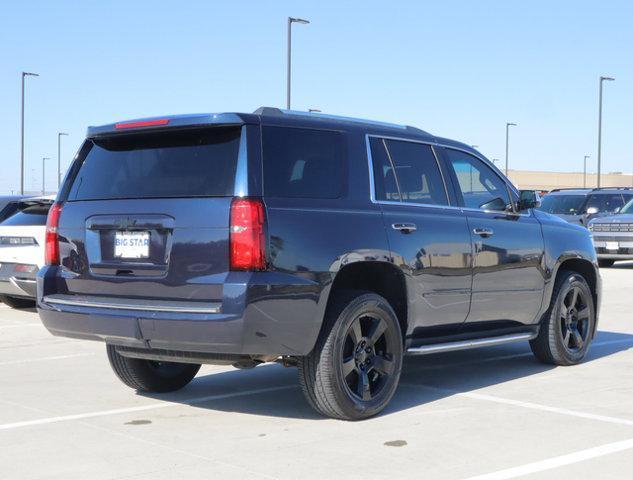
(303, 163)
(480, 186)
(408, 172)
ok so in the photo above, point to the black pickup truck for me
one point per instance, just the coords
(332, 244)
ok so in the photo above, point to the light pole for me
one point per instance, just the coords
(59, 156)
(24, 74)
(602, 79)
(584, 175)
(508, 125)
(44, 175)
(290, 22)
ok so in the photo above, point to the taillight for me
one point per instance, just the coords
(247, 234)
(51, 251)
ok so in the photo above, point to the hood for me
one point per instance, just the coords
(617, 218)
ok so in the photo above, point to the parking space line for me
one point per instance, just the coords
(45, 359)
(529, 405)
(141, 408)
(557, 462)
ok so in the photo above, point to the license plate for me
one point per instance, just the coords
(612, 246)
(131, 244)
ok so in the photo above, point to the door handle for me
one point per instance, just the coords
(404, 227)
(483, 232)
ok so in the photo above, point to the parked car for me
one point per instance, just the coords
(331, 244)
(22, 240)
(613, 236)
(580, 205)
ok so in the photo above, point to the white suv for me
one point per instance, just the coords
(22, 240)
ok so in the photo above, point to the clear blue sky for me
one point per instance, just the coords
(455, 68)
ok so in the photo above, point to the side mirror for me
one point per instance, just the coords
(592, 211)
(528, 199)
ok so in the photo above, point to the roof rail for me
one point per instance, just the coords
(570, 188)
(325, 116)
(612, 188)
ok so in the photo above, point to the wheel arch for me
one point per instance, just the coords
(588, 270)
(382, 278)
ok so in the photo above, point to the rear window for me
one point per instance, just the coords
(28, 215)
(185, 163)
(303, 163)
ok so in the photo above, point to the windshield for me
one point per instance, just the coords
(628, 208)
(562, 204)
(180, 163)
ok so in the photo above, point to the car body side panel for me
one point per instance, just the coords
(561, 244)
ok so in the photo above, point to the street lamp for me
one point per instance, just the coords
(59, 156)
(508, 125)
(24, 74)
(602, 79)
(290, 22)
(44, 175)
(584, 175)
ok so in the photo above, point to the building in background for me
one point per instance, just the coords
(529, 180)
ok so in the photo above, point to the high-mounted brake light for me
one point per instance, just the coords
(51, 250)
(247, 234)
(144, 123)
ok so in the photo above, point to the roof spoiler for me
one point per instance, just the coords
(172, 121)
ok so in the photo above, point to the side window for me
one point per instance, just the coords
(408, 172)
(303, 163)
(481, 187)
(384, 175)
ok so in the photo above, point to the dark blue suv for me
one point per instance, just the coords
(332, 244)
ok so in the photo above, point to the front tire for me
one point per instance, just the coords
(151, 376)
(15, 302)
(354, 369)
(567, 330)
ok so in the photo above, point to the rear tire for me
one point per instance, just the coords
(605, 263)
(15, 302)
(354, 369)
(567, 329)
(151, 376)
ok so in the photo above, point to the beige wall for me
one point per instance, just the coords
(550, 180)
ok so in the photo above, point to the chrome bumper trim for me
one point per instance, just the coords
(125, 304)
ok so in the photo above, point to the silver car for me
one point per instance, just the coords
(613, 236)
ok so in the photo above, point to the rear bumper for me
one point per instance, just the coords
(263, 313)
(23, 286)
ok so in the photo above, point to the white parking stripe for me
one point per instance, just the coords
(557, 462)
(141, 408)
(45, 359)
(530, 405)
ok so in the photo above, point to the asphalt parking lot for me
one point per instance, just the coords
(492, 413)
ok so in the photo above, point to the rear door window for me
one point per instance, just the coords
(179, 163)
(407, 171)
(303, 163)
